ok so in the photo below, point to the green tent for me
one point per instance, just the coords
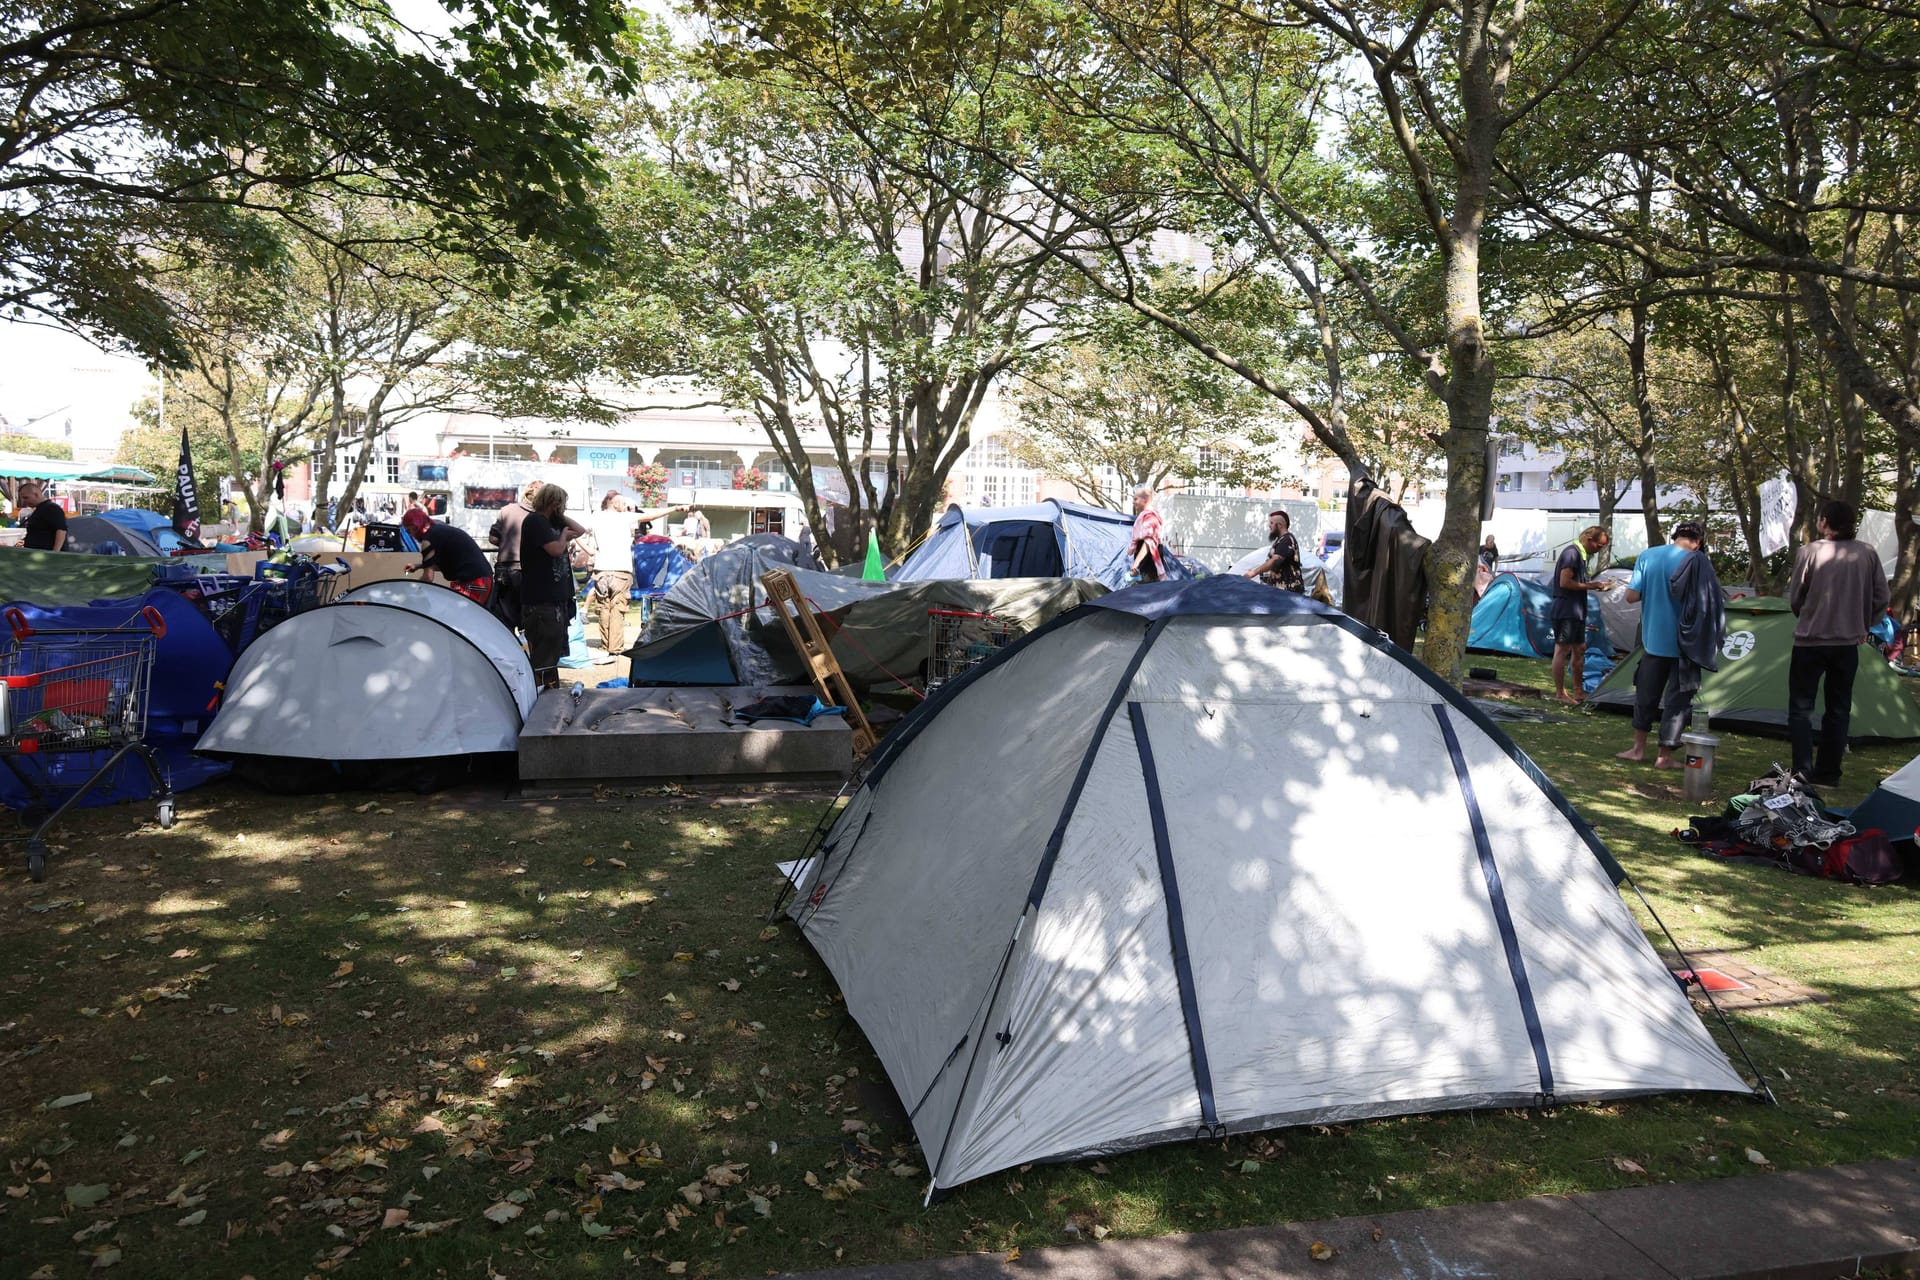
(54, 578)
(1748, 694)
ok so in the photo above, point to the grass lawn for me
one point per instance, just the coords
(461, 1036)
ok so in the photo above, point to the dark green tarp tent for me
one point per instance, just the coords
(1748, 694)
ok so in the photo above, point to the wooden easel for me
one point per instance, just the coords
(829, 681)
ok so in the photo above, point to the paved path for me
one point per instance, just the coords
(1811, 1225)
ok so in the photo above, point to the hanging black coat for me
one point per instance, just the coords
(1384, 563)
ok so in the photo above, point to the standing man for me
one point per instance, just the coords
(1839, 591)
(46, 522)
(505, 536)
(612, 529)
(1569, 610)
(1281, 568)
(1659, 695)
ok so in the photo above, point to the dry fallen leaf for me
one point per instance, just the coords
(1754, 1157)
(1625, 1165)
(504, 1211)
(393, 1219)
(1320, 1251)
(284, 1169)
(1013, 1255)
(346, 967)
(193, 1219)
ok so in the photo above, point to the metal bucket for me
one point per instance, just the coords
(1697, 779)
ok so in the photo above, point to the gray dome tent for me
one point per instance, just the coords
(1245, 865)
(393, 687)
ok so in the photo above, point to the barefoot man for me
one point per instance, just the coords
(1569, 611)
(1659, 696)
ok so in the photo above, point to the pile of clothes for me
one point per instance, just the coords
(1780, 821)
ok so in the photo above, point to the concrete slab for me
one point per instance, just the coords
(1540, 1239)
(1811, 1224)
(690, 734)
(1817, 1224)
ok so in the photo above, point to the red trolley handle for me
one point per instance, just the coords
(22, 629)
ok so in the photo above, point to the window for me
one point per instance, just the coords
(1504, 483)
(1519, 481)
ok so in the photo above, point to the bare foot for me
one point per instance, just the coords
(1667, 762)
(1568, 698)
(1635, 754)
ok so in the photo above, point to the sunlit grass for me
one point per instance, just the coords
(480, 988)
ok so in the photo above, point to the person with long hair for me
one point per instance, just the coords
(546, 581)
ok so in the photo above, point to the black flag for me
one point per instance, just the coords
(186, 501)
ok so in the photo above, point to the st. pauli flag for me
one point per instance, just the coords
(186, 501)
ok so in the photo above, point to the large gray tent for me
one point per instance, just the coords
(1212, 858)
(393, 672)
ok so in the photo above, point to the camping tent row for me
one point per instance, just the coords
(1050, 539)
(1234, 862)
(1748, 693)
(393, 678)
(1514, 617)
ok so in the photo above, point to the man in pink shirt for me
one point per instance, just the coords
(1839, 590)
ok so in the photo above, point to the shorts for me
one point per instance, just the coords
(1570, 631)
(480, 590)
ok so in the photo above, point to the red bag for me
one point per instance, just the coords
(1866, 858)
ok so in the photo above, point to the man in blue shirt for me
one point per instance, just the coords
(1569, 609)
(1658, 698)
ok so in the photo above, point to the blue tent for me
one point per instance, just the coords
(158, 528)
(1513, 618)
(190, 662)
(1050, 539)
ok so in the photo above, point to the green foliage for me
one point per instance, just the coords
(136, 125)
(21, 442)
(1135, 400)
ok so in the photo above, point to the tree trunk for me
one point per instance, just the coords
(1643, 409)
(1906, 529)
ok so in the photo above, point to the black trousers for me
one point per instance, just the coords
(1656, 701)
(506, 597)
(1834, 665)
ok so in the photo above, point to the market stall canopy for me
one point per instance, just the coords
(118, 474)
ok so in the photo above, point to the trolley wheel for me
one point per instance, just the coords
(36, 862)
(164, 815)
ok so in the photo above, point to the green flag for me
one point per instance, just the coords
(876, 570)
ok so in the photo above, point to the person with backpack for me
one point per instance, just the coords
(1660, 696)
(1838, 591)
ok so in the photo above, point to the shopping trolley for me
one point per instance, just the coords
(70, 690)
(960, 640)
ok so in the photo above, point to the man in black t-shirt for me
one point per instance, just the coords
(452, 554)
(47, 524)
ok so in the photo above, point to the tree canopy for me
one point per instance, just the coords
(130, 126)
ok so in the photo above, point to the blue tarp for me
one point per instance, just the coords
(190, 662)
(657, 565)
(1050, 539)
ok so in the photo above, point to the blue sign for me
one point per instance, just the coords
(605, 461)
